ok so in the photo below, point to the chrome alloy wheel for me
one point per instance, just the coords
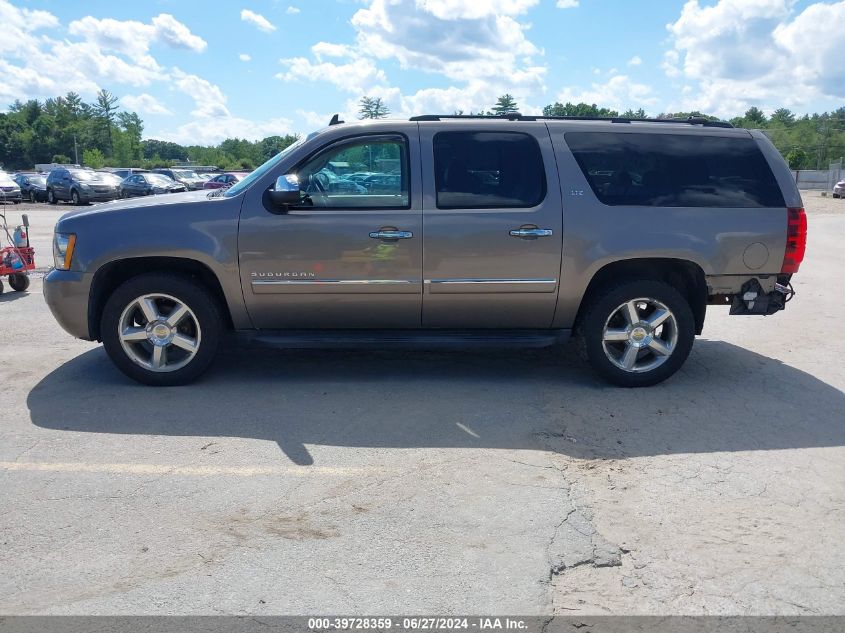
(640, 335)
(159, 332)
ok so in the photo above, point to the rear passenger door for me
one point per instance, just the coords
(492, 225)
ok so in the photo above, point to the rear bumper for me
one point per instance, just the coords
(66, 293)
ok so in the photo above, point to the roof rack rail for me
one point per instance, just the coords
(516, 116)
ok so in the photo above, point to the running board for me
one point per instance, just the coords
(328, 339)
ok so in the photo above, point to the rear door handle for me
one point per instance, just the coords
(391, 234)
(530, 233)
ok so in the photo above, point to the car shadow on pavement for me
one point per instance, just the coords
(726, 398)
(8, 296)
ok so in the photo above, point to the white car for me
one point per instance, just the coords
(839, 189)
(10, 191)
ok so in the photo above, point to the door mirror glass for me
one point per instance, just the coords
(286, 191)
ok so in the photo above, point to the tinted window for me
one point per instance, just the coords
(675, 170)
(325, 179)
(479, 170)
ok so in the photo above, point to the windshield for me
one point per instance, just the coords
(185, 173)
(38, 180)
(85, 175)
(159, 179)
(263, 169)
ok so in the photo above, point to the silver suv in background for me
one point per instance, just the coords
(475, 231)
(79, 186)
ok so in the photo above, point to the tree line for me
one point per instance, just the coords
(66, 129)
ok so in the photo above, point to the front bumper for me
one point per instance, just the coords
(99, 196)
(11, 196)
(66, 293)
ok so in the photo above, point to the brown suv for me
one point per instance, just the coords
(466, 231)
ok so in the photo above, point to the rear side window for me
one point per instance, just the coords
(484, 170)
(675, 170)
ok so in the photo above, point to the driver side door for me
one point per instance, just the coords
(347, 256)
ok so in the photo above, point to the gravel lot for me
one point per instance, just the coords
(309, 482)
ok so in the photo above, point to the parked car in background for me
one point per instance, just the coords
(148, 185)
(839, 189)
(33, 186)
(189, 178)
(225, 180)
(124, 172)
(111, 176)
(9, 189)
(80, 186)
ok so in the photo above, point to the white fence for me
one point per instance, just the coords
(822, 179)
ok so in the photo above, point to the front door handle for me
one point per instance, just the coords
(530, 232)
(391, 234)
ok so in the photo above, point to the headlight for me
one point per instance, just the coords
(63, 244)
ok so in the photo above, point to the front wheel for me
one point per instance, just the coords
(32, 197)
(74, 196)
(51, 197)
(161, 329)
(637, 333)
(19, 282)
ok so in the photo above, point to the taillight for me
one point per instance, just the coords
(796, 240)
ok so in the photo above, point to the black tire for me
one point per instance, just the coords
(188, 291)
(74, 198)
(19, 282)
(32, 197)
(604, 305)
(51, 197)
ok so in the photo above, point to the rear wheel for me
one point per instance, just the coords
(161, 329)
(19, 282)
(637, 333)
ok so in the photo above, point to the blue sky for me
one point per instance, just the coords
(203, 71)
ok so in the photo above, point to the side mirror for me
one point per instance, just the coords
(286, 191)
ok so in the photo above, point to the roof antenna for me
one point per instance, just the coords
(336, 120)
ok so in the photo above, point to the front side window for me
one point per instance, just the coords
(486, 170)
(675, 170)
(325, 180)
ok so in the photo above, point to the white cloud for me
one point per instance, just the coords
(327, 49)
(292, 10)
(636, 60)
(618, 93)
(144, 104)
(244, 57)
(739, 53)
(567, 4)
(357, 76)
(258, 20)
(481, 47)
(134, 38)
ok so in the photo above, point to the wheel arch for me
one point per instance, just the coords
(111, 275)
(685, 276)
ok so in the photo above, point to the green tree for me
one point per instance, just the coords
(797, 158)
(579, 109)
(105, 110)
(93, 158)
(755, 116)
(372, 108)
(783, 117)
(505, 105)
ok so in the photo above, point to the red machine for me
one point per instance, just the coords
(17, 259)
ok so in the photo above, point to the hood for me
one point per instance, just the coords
(131, 204)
